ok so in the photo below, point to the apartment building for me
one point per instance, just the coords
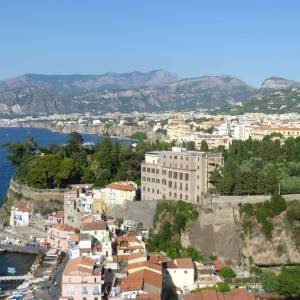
(81, 280)
(259, 132)
(60, 236)
(212, 140)
(73, 208)
(176, 128)
(178, 174)
(182, 272)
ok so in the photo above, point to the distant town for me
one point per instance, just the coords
(183, 127)
(135, 238)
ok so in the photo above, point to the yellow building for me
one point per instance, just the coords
(177, 128)
(258, 133)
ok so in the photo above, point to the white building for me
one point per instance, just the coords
(96, 229)
(20, 215)
(182, 272)
(119, 192)
(85, 201)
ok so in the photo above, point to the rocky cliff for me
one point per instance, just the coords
(124, 131)
(215, 232)
(281, 249)
(279, 83)
(220, 231)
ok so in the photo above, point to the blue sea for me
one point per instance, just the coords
(21, 261)
(42, 136)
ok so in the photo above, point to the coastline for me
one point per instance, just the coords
(60, 126)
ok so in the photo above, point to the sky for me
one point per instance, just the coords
(249, 39)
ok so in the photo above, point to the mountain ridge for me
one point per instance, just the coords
(158, 90)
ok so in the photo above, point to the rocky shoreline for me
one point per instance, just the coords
(124, 131)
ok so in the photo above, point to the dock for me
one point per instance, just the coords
(22, 249)
(15, 278)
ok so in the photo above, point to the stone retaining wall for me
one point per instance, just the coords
(37, 194)
(234, 201)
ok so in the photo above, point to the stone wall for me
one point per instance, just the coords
(37, 194)
(140, 211)
(234, 201)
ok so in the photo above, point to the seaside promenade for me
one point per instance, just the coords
(12, 278)
(22, 249)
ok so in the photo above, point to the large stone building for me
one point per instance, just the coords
(259, 132)
(178, 174)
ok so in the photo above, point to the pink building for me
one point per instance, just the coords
(56, 218)
(60, 236)
(81, 280)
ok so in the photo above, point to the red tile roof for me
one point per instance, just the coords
(153, 278)
(149, 297)
(59, 214)
(64, 227)
(136, 255)
(80, 265)
(132, 239)
(239, 294)
(145, 265)
(122, 186)
(87, 218)
(182, 263)
(93, 226)
(218, 265)
(235, 294)
(132, 283)
(22, 207)
(137, 279)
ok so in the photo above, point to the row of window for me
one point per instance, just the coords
(150, 170)
(180, 185)
(176, 157)
(175, 166)
(171, 195)
(174, 174)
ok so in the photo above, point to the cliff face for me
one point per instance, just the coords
(280, 250)
(219, 231)
(215, 232)
(65, 127)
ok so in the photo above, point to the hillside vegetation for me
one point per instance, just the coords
(260, 167)
(170, 220)
(271, 231)
(58, 166)
(270, 102)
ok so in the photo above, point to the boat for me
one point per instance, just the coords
(11, 270)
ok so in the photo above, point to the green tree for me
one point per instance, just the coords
(227, 272)
(204, 146)
(75, 142)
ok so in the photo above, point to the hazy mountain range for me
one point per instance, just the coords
(159, 90)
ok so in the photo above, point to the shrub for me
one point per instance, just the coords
(227, 272)
(280, 250)
(223, 287)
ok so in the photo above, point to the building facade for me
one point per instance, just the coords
(182, 272)
(20, 215)
(119, 192)
(59, 236)
(81, 280)
(178, 174)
